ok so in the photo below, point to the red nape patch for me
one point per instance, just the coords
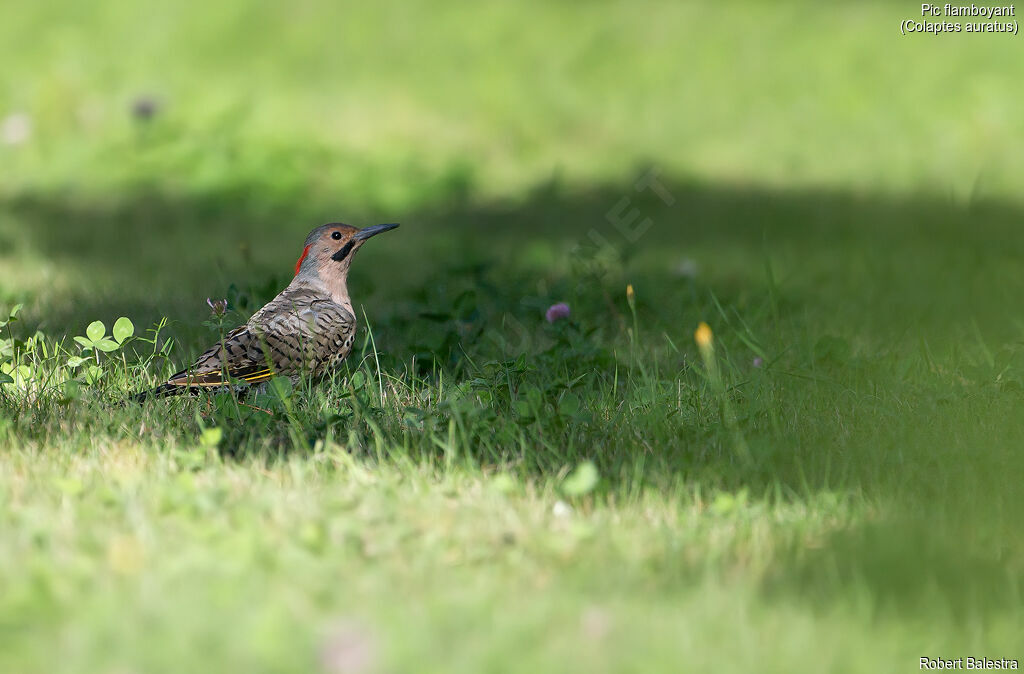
(298, 265)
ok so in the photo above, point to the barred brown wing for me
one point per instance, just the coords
(299, 331)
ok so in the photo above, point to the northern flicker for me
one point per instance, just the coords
(306, 330)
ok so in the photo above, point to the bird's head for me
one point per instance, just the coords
(329, 250)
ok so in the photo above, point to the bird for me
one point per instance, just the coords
(308, 329)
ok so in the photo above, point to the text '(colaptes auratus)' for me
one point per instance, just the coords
(306, 330)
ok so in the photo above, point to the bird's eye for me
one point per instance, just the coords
(336, 235)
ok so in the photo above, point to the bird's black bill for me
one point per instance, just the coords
(367, 232)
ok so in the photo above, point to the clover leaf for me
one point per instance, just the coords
(95, 336)
(582, 480)
(123, 329)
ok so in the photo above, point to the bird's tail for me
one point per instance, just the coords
(161, 391)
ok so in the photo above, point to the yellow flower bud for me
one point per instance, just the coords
(703, 335)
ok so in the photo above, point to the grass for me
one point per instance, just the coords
(850, 224)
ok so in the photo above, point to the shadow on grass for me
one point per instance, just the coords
(889, 410)
(908, 263)
(907, 567)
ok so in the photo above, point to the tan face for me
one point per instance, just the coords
(326, 243)
(330, 247)
(338, 243)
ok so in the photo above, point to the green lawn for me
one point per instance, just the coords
(838, 202)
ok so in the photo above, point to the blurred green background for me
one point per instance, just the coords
(508, 128)
(838, 201)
